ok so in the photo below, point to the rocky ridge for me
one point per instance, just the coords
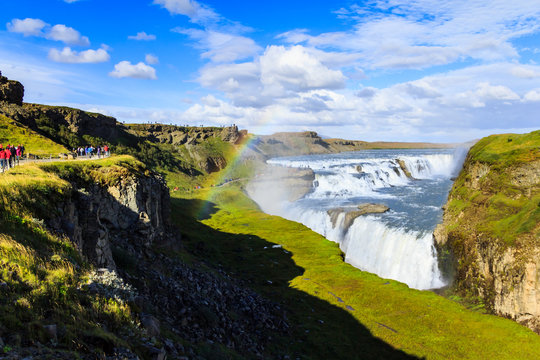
(309, 142)
(282, 183)
(503, 272)
(351, 213)
(11, 91)
(123, 229)
(95, 217)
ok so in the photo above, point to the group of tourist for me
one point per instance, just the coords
(89, 150)
(10, 155)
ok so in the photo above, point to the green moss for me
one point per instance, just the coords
(498, 207)
(503, 151)
(335, 310)
(12, 132)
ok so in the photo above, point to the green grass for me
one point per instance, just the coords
(507, 150)
(500, 207)
(43, 272)
(12, 132)
(336, 310)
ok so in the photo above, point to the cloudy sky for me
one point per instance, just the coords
(417, 70)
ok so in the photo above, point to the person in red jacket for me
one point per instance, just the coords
(7, 153)
(18, 153)
(2, 158)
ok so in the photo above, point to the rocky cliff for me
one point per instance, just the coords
(133, 211)
(309, 142)
(490, 235)
(185, 135)
(11, 91)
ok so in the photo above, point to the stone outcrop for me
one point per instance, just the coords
(283, 183)
(309, 142)
(403, 167)
(76, 121)
(351, 214)
(183, 135)
(11, 92)
(504, 273)
(94, 218)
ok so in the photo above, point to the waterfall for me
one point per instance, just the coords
(397, 244)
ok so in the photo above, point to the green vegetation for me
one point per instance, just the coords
(507, 150)
(11, 132)
(337, 311)
(503, 202)
(42, 276)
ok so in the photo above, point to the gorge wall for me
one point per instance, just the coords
(491, 227)
(133, 212)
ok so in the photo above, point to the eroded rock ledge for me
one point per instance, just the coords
(504, 271)
(351, 214)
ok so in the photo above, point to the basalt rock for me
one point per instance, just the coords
(505, 274)
(283, 183)
(11, 91)
(351, 214)
(403, 167)
(137, 208)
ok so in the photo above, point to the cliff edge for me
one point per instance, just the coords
(490, 235)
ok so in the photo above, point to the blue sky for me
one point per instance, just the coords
(418, 70)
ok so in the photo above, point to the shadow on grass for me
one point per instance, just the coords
(318, 329)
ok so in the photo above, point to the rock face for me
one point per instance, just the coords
(351, 215)
(11, 91)
(137, 208)
(283, 183)
(75, 121)
(183, 135)
(403, 167)
(485, 261)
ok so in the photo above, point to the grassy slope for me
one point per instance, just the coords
(499, 209)
(43, 272)
(313, 281)
(11, 132)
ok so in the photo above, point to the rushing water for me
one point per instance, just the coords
(397, 244)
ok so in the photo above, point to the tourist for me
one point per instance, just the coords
(18, 154)
(12, 155)
(106, 149)
(2, 158)
(7, 153)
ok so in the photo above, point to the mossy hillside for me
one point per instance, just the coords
(336, 310)
(43, 275)
(498, 206)
(11, 132)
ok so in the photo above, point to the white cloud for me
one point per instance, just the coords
(532, 96)
(70, 56)
(525, 72)
(422, 33)
(151, 59)
(70, 1)
(27, 27)
(68, 35)
(295, 69)
(278, 73)
(39, 28)
(220, 46)
(197, 12)
(137, 71)
(142, 36)
(496, 92)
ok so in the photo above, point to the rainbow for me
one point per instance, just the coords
(225, 174)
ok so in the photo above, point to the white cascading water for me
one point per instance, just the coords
(397, 244)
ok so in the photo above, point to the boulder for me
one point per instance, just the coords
(11, 91)
(351, 214)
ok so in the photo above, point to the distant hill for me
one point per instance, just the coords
(309, 142)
